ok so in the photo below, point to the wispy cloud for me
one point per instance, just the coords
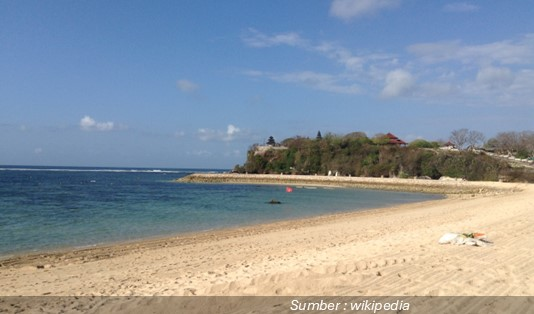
(179, 134)
(233, 153)
(89, 124)
(495, 73)
(492, 73)
(519, 51)
(356, 63)
(349, 9)
(186, 86)
(230, 134)
(495, 77)
(319, 81)
(335, 52)
(460, 7)
(200, 153)
(340, 55)
(254, 38)
(344, 82)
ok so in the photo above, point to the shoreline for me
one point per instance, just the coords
(385, 251)
(448, 187)
(84, 254)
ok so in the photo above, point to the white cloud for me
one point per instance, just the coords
(207, 134)
(89, 124)
(218, 135)
(186, 86)
(493, 77)
(398, 83)
(341, 56)
(253, 73)
(319, 81)
(524, 83)
(254, 38)
(491, 73)
(502, 52)
(233, 153)
(179, 134)
(344, 83)
(461, 7)
(38, 150)
(355, 63)
(330, 50)
(349, 9)
(434, 90)
(495, 73)
(231, 131)
(200, 153)
(521, 91)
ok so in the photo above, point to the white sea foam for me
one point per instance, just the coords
(116, 170)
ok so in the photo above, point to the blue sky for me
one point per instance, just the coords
(193, 83)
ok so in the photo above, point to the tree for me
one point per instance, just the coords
(380, 139)
(527, 142)
(421, 143)
(459, 138)
(475, 138)
(517, 143)
(361, 157)
(462, 137)
(271, 141)
(508, 141)
(356, 135)
(297, 142)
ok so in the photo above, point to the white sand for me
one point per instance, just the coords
(391, 251)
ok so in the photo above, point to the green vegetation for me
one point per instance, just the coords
(420, 143)
(518, 144)
(356, 155)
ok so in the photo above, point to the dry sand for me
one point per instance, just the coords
(389, 251)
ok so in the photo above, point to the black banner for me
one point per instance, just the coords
(297, 304)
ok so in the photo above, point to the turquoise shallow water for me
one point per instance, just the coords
(45, 208)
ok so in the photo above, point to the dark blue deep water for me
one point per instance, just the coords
(44, 208)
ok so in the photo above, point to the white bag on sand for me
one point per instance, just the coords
(448, 238)
(473, 239)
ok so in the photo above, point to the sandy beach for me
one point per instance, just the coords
(383, 252)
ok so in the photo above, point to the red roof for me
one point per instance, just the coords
(395, 140)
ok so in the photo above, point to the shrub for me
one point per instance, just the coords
(359, 156)
(423, 144)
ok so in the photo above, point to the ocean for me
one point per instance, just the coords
(50, 208)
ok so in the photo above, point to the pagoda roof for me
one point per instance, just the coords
(395, 140)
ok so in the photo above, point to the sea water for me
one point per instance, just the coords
(48, 208)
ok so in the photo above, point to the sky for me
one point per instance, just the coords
(194, 83)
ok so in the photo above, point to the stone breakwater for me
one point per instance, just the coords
(451, 187)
